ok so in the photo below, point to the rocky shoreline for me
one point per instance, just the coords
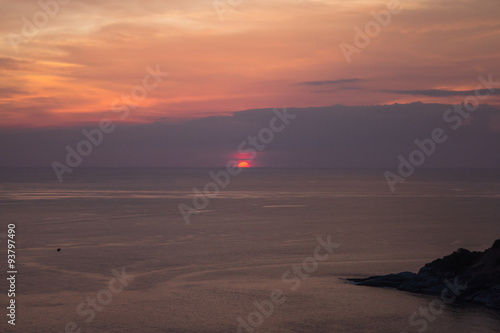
(464, 275)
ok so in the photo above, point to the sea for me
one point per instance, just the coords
(266, 250)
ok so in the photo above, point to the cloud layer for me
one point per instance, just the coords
(337, 136)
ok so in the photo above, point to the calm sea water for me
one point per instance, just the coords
(203, 276)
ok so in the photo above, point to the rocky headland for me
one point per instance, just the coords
(463, 275)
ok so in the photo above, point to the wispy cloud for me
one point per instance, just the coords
(9, 92)
(328, 83)
(441, 93)
(7, 63)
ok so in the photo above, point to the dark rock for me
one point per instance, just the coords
(474, 275)
(391, 280)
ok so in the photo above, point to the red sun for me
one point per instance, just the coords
(243, 164)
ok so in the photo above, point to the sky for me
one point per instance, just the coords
(224, 56)
(183, 83)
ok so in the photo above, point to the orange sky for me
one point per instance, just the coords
(90, 54)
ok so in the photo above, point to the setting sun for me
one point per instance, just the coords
(243, 164)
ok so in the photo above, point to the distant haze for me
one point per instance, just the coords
(323, 137)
